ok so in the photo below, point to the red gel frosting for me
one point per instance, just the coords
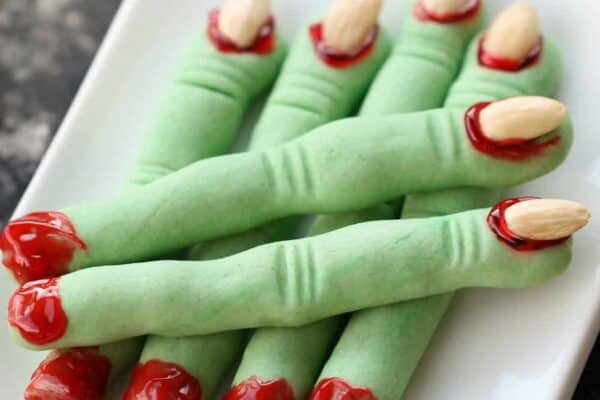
(334, 57)
(35, 309)
(39, 245)
(512, 149)
(73, 374)
(263, 44)
(254, 388)
(492, 61)
(161, 380)
(469, 10)
(339, 389)
(498, 225)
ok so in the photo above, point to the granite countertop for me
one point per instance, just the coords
(45, 49)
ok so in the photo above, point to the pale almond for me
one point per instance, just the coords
(241, 20)
(546, 219)
(526, 117)
(514, 32)
(445, 6)
(348, 23)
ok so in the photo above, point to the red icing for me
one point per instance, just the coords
(498, 225)
(263, 44)
(161, 380)
(254, 388)
(511, 149)
(39, 245)
(469, 10)
(335, 58)
(35, 309)
(73, 374)
(506, 64)
(338, 389)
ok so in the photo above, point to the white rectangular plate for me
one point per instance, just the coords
(494, 344)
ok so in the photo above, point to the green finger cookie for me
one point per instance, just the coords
(342, 166)
(282, 284)
(415, 77)
(287, 114)
(479, 83)
(392, 339)
(422, 65)
(201, 112)
(284, 356)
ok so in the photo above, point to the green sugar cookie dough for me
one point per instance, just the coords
(342, 166)
(423, 64)
(296, 282)
(297, 354)
(310, 93)
(479, 83)
(286, 115)
(415, 77)
(206, 358)
(201, 112)
(392, 339)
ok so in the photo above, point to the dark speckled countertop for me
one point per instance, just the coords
(46, 47)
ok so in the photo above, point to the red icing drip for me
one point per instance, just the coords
(161, 380)
(335, 58)
(511, 149)
(254, 388)
(39, 245)
(506, 64)
(468, 11)
(498, 225)
(338, 389)
(35, 309)
(263, 44)
(73, 374)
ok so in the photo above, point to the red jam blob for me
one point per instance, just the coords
(492, 61)
(511, 149)
(336, 58)
(339, 389)
(161, 380)
(469, 10)
(73, 374)
(39, 245)
(263, 44)
(498, 225)
(254, 388)
(35, 309)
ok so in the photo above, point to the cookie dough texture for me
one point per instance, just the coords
(298, 103)
(422, 66)
(298, 282)
(201, 112)
(308, 93)
(392, 339)
(207, 357)
(296, 354)
(478, 83)
(343, 166)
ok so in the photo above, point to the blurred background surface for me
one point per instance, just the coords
(46, 47)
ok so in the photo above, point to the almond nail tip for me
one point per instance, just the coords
(347, 24)
(518, 20)
(547, 219)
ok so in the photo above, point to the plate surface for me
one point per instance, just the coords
(494, 344)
